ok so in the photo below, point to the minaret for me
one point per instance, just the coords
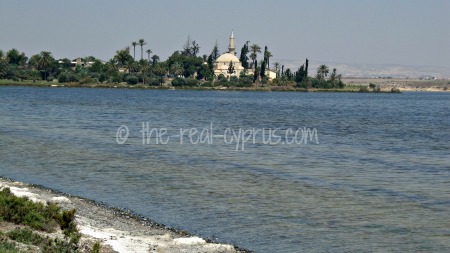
(231, 48)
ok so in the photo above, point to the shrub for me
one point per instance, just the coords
(234, 79)
(191, 82)
(155, 81)
(132, 80)
(96, 248)
(221, 77)
(178, 82)
(102, 78)
(23, 211)
(117, 78)
(26, 236)
(7, 247)
(363, 89)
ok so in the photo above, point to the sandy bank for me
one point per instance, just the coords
(116, 229)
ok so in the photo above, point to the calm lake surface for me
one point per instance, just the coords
(377, 180)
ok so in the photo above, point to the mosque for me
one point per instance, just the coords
(223, 63)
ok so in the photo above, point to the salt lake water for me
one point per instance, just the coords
(376, 179)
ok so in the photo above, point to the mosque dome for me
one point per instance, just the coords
(227, 57)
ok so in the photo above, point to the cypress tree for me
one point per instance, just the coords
(306, 67)
(263, 69)
(255, 74)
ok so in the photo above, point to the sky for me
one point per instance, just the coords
(407, 32)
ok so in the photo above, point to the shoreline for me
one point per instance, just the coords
(119, 230)
(351, 87)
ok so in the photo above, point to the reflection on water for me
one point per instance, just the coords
(377, 181)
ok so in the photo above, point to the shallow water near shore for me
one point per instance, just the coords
(377, 179)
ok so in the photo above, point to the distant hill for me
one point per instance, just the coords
(374, 70)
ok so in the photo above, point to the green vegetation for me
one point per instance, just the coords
(185, 68)
(23, 211)
(40, 217)
(8, 247)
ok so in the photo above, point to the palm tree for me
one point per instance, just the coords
(133, 66)
(322, 71)
(144, 68)
(134, 44)
(112, 65)
(148, 51)
(155, 59)
(160, 71)
(142, 43)
(45, 61)
(254, 49)
(176, 69)
(123, 56)
(277, 67)
(267, 56)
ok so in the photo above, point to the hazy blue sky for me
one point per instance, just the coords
(410, 32)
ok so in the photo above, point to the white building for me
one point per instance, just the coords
(222, 64)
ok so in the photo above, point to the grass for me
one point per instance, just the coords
(25, 82)
(40, 217)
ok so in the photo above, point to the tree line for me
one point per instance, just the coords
(184, 67)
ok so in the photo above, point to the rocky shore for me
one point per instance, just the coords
(117, 230)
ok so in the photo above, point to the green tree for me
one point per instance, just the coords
(3, 65)
(255, 49)
(123, 56)
(187, 48)
(215, 52)
(322, 72)
(160, 70)
(204, 72)
(300, 74)
(142, 43)
(134, 44)
(96, 67)
(263, 70)
(195, 48)
(34, 61)
(132, 66)
(230, 68)
(306, 67)
(111, 65)
(244, 58)
(289, 75)
(210, 62)
(66, 63)
(155, 59)
(256, 72)
(333, 76)
(213, 57)
(14, 57)
(176, 69)
(267, 56)
(276, 65)
(148, 51)
(45, 62)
